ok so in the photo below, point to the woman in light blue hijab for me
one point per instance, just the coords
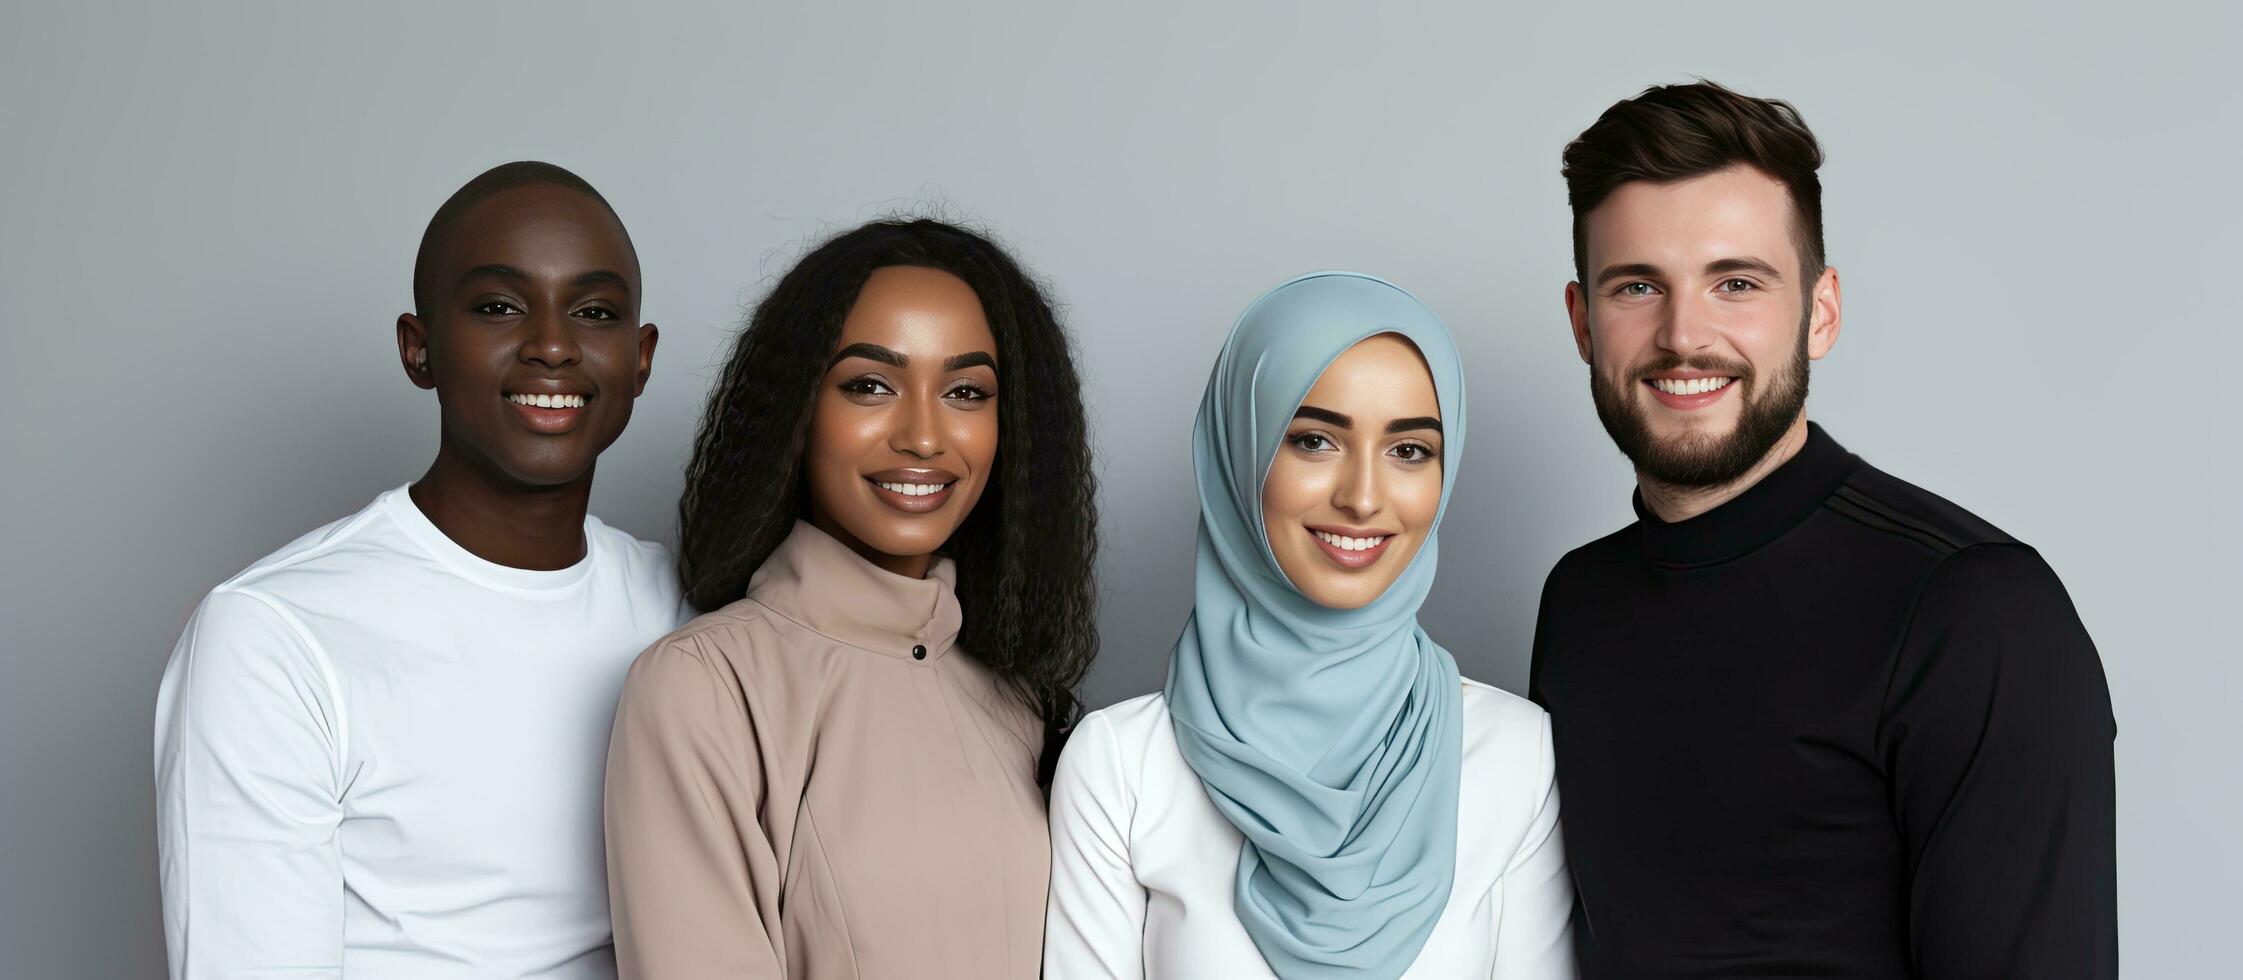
(1316, 793)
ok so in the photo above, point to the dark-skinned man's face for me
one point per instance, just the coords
(532, 337)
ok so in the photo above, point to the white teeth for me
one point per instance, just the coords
(913, 489)
(1345, 543)
(548, 401)
(1692, 386)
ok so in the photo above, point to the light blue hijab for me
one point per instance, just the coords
(1330, 738)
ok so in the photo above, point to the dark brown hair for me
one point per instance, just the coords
(1676, 132)
(1024, 554)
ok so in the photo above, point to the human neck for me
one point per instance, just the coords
(1674, 504)
(502, 522)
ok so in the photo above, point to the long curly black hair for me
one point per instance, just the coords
(1024, 554)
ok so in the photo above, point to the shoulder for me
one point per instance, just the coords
(311, 560)
(1509, 777)
(743, 648)
(1619, 547)
(244, 662)
(646, 567)
(1112, 742)
(236, 628)
(1502, 731)
(637, 554)
(711, 643)
(1886, 504)
(1980, 581)
(1994, 624)
(2002, 590)
(1129, 727)
(256, 612)
(1133, 718)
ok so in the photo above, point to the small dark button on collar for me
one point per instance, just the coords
(918, 653)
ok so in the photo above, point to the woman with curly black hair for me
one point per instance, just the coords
(838, 770)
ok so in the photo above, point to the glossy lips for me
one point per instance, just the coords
(913, 491)
(1351, 548)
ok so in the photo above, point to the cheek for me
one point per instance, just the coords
(974, 434)
(839, 433)
(1291, 491)
(1766, 338)
(1417, 498)
(614, 355)
(1619, 337)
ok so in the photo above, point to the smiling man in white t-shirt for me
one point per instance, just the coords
(379, 749)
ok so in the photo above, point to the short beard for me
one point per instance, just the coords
(1698, 462)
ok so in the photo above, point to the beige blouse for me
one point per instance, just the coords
(815, 782)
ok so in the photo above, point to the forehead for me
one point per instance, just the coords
(914, 310)
(1382, 377)
(1735, 212)
(544, 230)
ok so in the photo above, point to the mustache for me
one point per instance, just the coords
(1671, 361)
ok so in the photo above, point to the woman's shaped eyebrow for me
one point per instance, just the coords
(875, 352)
(1330, 417)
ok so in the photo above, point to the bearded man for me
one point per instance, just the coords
(1810, 720)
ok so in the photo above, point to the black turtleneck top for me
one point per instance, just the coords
(1835, 727)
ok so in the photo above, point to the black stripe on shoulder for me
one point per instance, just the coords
(1877, 500)
(1865, 511)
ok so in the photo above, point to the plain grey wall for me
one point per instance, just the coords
(210, 219)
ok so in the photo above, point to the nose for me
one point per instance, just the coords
(918, 430)
(1358, 493)
(550, 339)
(1683, 328)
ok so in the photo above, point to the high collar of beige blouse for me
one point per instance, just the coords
(822, 585)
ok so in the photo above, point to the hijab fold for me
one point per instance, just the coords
(1330, 738)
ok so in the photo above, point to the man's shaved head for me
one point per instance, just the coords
(504, 177)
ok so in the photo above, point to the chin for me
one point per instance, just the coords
(543, 473)
(1340, 590)
(905, 543)
(1343, 599)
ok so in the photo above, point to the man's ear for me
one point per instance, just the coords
(1577, 309)
(412, 350)
(648, 336)
(1825, 316)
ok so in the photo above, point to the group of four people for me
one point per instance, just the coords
(1806, 719)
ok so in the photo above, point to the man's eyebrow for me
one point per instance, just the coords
(495, 271)
(604, 277)
(1326, 416)
(1413, 424)
(979, 358)
(870, 352)
(1746, 263)
(1612, 272)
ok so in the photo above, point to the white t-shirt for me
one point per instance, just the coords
(379, 754)
(1144, 868)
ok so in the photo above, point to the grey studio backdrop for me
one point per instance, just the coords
(210, 218)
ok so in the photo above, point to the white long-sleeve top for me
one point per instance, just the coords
(1144, 867)
(378, 755)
